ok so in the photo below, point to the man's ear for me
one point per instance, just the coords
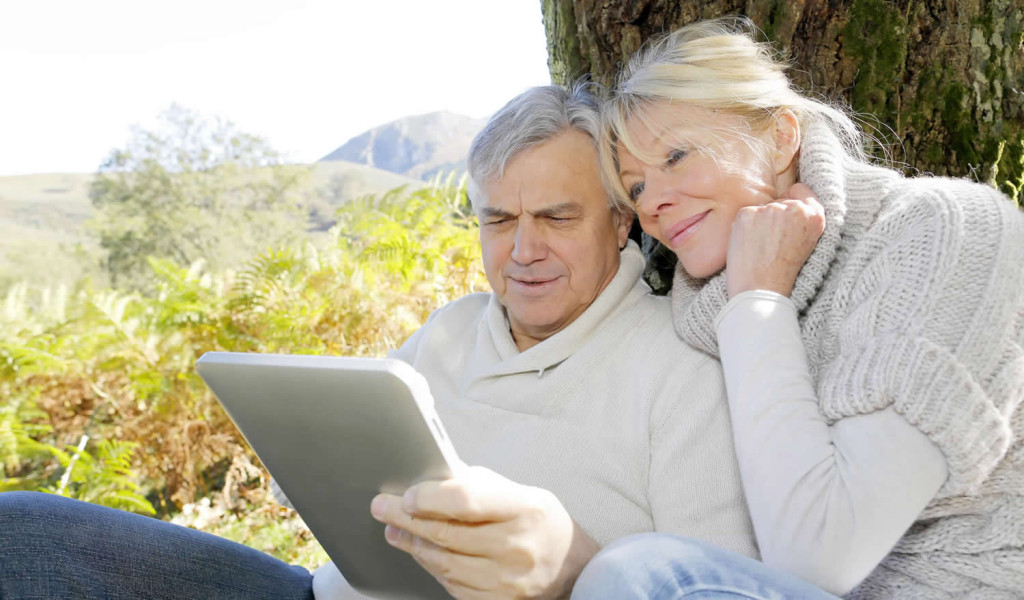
(786, 135)
(623, 223)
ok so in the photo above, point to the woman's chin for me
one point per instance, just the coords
(699, 269)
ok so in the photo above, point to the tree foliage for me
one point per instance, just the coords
(118, 366)
(194, 189)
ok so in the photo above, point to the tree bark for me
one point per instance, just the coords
(943, 78)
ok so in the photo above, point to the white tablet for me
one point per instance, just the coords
(334, 432)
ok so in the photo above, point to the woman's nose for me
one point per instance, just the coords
(656, 196)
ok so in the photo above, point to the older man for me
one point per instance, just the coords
(587, 417)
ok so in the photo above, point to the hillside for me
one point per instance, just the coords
(51, 202)
(42, 217)
(419, 147)
(340, 181)
(56, 202)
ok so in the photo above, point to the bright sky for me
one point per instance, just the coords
(306, 75)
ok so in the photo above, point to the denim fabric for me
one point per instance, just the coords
(662, 566)
(54, 547)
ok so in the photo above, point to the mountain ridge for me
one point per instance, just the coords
(417, 146)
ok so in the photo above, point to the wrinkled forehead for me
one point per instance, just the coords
(562, 170)
(540, 196)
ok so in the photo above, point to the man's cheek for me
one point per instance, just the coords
(494, 262)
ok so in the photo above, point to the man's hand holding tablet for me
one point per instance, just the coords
(484, 536)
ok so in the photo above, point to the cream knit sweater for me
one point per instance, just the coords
(914, 299)
(600, 413)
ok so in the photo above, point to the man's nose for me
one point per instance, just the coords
(530, 245)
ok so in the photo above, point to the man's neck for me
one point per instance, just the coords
(525, 342)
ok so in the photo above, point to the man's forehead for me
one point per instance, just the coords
(519, 194)
(562, 169)
(552, 206)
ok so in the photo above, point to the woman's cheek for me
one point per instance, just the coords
(701, 180)
(650, 227)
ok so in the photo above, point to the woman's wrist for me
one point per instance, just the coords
(739, 285)
(749, 300)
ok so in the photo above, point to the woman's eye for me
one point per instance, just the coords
(635, 190)
(674, 157)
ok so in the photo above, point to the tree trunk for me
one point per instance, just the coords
(947, 76)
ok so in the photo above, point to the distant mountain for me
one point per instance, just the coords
(419, 147)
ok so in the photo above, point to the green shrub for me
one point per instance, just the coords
(119, 367)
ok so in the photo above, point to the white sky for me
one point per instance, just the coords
(306, 75)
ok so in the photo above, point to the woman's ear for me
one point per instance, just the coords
(786, 135)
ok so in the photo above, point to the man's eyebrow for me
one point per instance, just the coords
(495, 213)
(556, 210)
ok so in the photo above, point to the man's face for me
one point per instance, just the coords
(550, 241)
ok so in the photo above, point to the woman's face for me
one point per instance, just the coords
(703, 170)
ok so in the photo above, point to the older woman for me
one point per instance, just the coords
(870, 327)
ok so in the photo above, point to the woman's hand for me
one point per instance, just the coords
(770, 243)
(483, 536)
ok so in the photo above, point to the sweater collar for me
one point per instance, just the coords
(833, 175)
(550, 352)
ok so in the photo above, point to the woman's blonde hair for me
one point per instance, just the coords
(714, 65)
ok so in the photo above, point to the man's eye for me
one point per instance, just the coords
(498, 221)
(635, 190)
(674, 157)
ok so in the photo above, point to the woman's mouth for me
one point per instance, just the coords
(679, 233)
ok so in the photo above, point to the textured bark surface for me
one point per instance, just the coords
(946, 76)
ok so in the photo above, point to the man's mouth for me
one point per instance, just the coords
(532, 283)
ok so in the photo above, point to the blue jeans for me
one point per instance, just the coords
(662, 566)
(54, 547)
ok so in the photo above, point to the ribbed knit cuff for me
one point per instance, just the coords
(933, 391)
(751, 296)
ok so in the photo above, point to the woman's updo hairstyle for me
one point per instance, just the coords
(715, 65)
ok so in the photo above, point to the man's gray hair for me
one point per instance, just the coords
(530, 119)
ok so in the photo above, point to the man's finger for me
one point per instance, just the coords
(478, 495)
(452, 569)
(466, 538)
